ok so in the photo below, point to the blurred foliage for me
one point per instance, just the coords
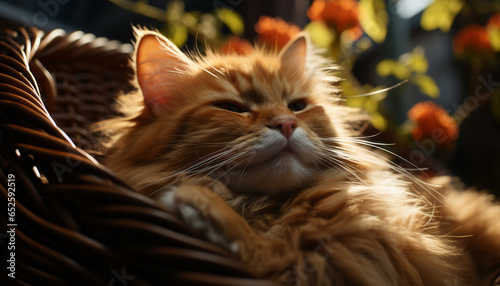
(494, 35)
(411, 66)
(440, 14)
(366, 97)
(232, 20)
(374, 19)
(320, 35)
(344, 29)
(179, 24)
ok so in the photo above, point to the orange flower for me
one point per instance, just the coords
(236, 45)
(275, 31)
(472, 38)
(494, 20)
(433, 122)
(338, 14)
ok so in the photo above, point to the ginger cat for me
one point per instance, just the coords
(258, 154)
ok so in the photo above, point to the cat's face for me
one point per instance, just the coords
(258, 123)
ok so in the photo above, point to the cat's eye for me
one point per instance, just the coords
(230, 107)
(297, 105)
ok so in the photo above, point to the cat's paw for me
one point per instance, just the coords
(186, 202)
(167, 199)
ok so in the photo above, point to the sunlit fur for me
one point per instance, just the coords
(317, 209)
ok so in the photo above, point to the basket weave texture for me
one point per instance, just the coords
(75, 222)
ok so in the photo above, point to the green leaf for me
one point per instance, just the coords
(373, 19)
(378, 121)
(370, 104)
(385, 67)
(426, 84)
(320, 35)
(416, 60)
(401, 71)
(441, 14)
(232, 20)
(354, 101)
(391, 67)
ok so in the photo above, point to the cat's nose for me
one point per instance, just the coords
(285, 124)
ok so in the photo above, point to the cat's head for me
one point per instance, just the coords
(258, 123)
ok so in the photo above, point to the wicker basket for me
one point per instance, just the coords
(76, 223)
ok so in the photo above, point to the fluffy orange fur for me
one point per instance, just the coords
(259, 150)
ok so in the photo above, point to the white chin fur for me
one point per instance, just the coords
(286, 172)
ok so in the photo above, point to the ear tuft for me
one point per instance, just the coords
(159, 64)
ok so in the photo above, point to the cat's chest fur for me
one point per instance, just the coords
(378, 224)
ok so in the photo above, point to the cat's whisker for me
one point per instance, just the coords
(354, 148)
(337, 162)
(228, 171)
(315, 162)
(209, 170)
(202, 58)
(378, 91)
(243, 173)
(195, 169)
(204, 161)
(357, 159)
(346, 153)
(377, 146)
(205, 70)
(198, 56)
(222, 164)
(192, 166)
(350, 170)
(360, 139)
(331, 68)
(354, 143)
(175, 71)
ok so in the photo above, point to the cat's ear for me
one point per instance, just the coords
(294, 55)
(159, 65)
